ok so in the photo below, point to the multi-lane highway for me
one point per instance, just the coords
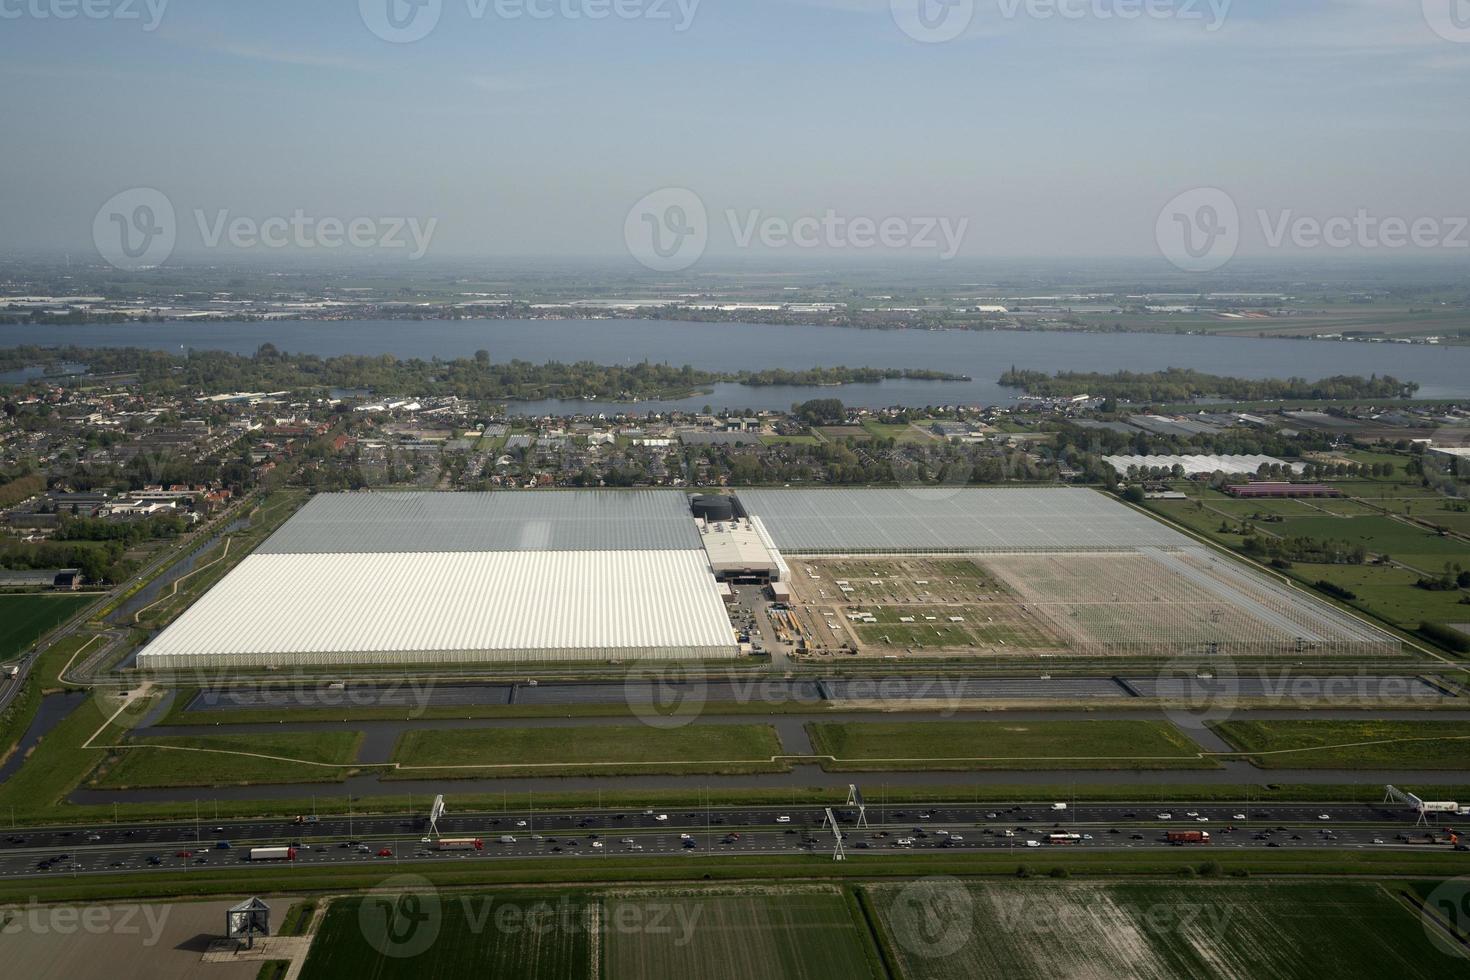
(749, 831)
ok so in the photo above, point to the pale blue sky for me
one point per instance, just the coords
(1054, 137)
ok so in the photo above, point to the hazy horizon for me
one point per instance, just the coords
(1028, 135)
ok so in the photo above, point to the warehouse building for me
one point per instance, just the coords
(738, 552)
(459, 578)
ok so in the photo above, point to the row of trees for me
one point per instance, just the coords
(1182, 385)
(476, 377)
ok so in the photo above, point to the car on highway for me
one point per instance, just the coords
(184, 854)
(1166, 816)
(1033, 843)
(783, 819)
(386, 852)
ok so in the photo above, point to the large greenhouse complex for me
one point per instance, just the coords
(615, 576)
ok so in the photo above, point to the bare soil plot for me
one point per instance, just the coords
(1169, 603)
(913, 605)
(118, 942)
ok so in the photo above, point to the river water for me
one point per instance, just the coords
(1442, 372)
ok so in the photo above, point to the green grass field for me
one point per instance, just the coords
(1390, 593)
(795, 933)
(1336, 744)
(59, 762)
(200, 760)
(1380, 535)
(903, 433)
(24, 618)
(476, 753)
(959, 746)
(943, 930)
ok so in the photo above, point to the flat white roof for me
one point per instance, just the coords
(452, 607)
(736, 546)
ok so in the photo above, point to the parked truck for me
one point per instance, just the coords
(273, 854)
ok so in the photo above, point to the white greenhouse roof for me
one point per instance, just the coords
(571, 520)
(452, 607)
(1197, 465)
(948, 519)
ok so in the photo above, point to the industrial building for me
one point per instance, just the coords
(452, 578)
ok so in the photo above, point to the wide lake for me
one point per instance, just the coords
(1442, 372)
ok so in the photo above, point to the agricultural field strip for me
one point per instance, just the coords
(780, 757)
